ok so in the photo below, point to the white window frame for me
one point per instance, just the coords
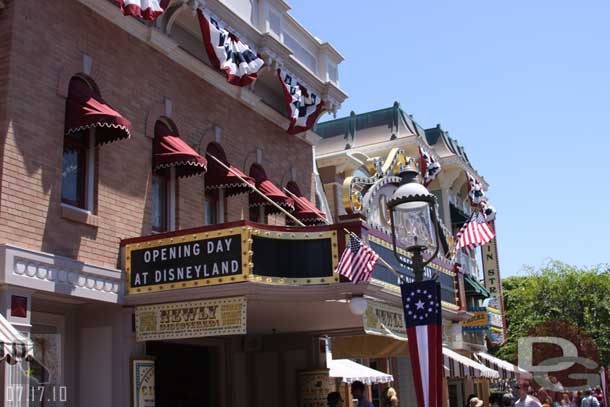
(89, 177)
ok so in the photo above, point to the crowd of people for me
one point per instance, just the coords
(526, 396)
(523, 396)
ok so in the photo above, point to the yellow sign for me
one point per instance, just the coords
(313, 387)
(479, 321)
(195, 319)
(384, 320)
(143, 382)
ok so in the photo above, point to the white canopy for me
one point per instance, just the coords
(351, 371)
(506, 369)
(13, 345)
(459, 366)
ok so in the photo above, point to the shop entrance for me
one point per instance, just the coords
(186, 375)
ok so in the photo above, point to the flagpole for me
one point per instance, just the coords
(315, 210)
(284, 211)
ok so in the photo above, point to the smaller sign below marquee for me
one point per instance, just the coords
(384, 320)
(479, 322)
(194, 319)
(496, 321)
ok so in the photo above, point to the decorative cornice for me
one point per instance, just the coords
(47, 272)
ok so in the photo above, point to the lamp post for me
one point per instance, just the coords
(414, 221)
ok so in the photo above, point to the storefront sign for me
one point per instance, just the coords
(188, 260)
(313, 387)
(143, 382)
(491, 272)
(195, 319)
(384, 320)
(478, 322)
(496, 322)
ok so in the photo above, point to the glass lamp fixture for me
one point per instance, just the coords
(413, 221)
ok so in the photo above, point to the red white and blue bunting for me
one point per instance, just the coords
(475, 191)
(429, 167)
(488, 210)
(304, 107)
(227, 53)
(145, 9)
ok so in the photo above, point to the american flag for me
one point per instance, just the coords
(357, 261)
(422, 309)
(475, 232)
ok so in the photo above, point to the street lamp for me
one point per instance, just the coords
(413, 219)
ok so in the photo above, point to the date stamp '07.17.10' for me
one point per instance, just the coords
(48, 395)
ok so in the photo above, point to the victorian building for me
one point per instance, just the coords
(357, 158)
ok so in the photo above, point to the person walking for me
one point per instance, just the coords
(334, 399)
(589, 399)
(525, 400)
(358, 393)
(389, 398)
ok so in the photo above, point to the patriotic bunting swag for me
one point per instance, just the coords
(303, 106)
(476, 232)
(475, 191)
(146, 9)
(357, 261)
(488, 210)
(422, 309)
(430, 168)
(227, 53)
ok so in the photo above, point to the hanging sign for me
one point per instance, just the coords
(491, 273)
(143, 382)
(478, 322)
(194, 319)
(187, 260)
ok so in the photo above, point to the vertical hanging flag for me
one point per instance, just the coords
(475, 190)
(145, 9)
(429, 167)
(357, 261)
(422, 309)
(303, 106)
(227, 53)
(605, 383)
(475, 232)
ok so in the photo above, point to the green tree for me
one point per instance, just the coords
(558, 291)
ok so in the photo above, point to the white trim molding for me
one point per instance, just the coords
(51, 273)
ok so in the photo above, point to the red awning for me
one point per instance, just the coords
(304, 210)
(270, 190)
(218, 177)
(85, 109)
(169, 150)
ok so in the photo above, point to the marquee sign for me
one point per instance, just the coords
(233, 253)
(206, 258)
(195, 319)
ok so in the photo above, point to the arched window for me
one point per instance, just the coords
(90, 121)
(172, 158)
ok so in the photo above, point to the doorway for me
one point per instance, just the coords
(186, 375)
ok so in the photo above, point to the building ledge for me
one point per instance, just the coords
(79, 215)
(57, 274)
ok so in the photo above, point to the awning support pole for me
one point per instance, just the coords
(253, 188)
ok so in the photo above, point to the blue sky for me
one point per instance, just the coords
(523, 85)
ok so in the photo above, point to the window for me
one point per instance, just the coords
(214, 207)
(77, 176)
(333, 74)
(160, 205)
(275, 22)
(301, 53)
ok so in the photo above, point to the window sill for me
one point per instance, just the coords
(79, 215)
